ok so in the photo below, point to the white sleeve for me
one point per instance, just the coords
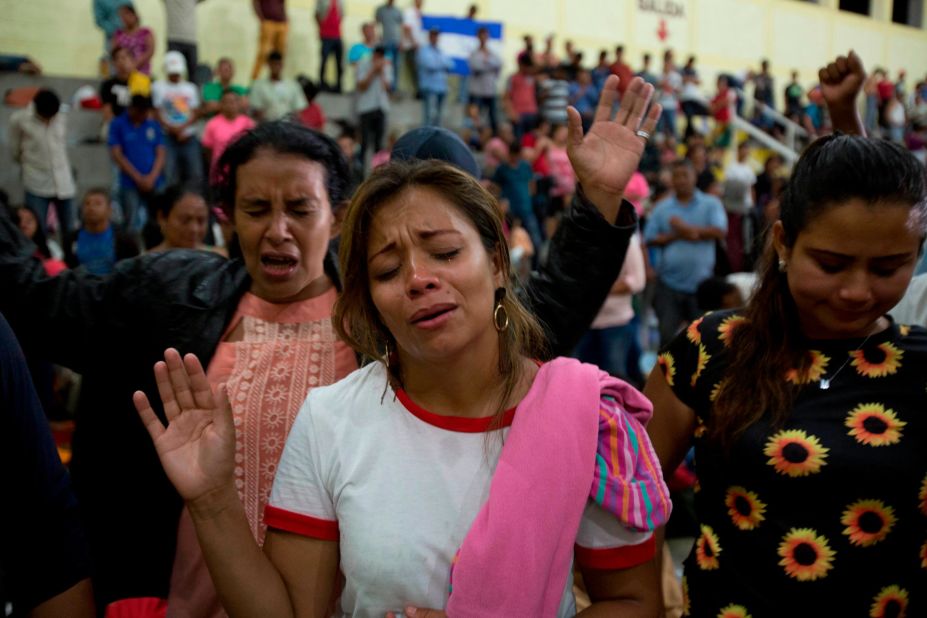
(301, 500)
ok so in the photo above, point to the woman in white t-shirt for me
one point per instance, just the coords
(389, 475)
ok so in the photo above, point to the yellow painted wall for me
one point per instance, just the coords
(726, 35)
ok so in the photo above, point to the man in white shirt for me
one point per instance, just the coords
(274, 97)
(38, 141)
(178, 102)
(374, 81)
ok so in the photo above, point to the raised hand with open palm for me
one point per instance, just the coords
(197, 448)
(606, 157)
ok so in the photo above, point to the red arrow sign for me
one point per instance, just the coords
(662, 31)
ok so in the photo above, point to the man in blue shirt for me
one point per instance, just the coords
(684, 228)
(136, 143)
(433, 67)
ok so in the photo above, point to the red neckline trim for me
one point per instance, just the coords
(462, 424)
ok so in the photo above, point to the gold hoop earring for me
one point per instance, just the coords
(500, 316)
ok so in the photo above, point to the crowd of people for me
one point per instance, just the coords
(431, 291)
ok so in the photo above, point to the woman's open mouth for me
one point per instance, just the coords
(277, 265)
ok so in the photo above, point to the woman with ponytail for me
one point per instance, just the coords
(807, 407)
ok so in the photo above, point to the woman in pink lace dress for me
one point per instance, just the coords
(279, 343)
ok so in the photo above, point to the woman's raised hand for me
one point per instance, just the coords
(841, 82)
(606, 157)
(197, 448)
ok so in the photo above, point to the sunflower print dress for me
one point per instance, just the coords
(827, 515)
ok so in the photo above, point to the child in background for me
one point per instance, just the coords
(45, 249)
(472, 130)
(312, 116)
(96, 245)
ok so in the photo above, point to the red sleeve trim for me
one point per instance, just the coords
(297, 523)
(609, 559)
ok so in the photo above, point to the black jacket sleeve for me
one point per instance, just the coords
(61, 318)
(43, 551)
(583, 262)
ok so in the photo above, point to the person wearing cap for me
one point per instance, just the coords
(433, 67)
(136, 143)
(177, 102)
(276, 97)
(374, 82)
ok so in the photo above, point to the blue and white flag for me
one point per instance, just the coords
(458, 38)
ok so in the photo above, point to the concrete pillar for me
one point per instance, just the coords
(881, 10)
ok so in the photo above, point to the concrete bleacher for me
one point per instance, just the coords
(88, 153)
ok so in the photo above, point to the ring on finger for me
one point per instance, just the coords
(643, 134)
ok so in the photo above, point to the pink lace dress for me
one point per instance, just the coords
(282, 353)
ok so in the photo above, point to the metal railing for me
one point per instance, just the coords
(790, 155)
(793, 130)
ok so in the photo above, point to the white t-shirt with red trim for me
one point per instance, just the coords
(398, 487)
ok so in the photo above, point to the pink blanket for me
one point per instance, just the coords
(516, 558)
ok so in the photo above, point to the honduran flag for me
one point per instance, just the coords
(458, 38)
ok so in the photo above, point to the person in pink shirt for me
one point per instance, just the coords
(136, 38)
(637, 191)
(225, 126)
(328, 14)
